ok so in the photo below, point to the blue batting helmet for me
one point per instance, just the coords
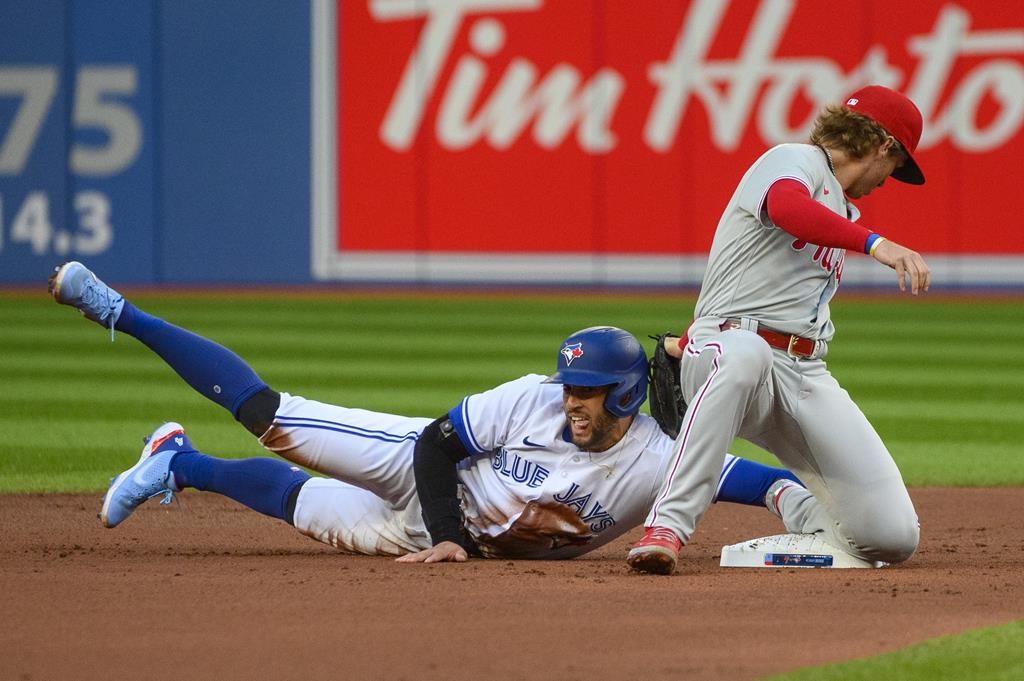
(605, 355)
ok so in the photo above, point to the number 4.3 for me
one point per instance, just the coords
(31, 225)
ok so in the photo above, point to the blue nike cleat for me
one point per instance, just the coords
(150, 477)
(74, 284)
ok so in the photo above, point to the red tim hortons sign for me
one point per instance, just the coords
(597, 141)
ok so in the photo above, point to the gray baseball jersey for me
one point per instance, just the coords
(736, 385)
(757, 270)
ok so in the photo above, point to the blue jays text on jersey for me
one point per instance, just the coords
(532, 474)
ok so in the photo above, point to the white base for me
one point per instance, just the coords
(790, 550)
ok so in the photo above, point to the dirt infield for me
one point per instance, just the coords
(205, 589)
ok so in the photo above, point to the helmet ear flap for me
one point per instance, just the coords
(631, 391)
(628, 396)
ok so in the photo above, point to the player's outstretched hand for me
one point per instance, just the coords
(905, 262)
(445, 552)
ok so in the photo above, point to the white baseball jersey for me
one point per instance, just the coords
(756, 269)
(527, 491)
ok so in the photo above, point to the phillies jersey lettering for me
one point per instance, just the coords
(829, 258)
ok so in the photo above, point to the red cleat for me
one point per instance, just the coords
(656, 552)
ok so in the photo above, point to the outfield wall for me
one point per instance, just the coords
(477, 141)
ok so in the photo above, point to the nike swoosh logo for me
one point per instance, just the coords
(526, 441)
(139, 477)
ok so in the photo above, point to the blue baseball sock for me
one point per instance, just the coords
(211, 369)
(263, 484)
(746, 482)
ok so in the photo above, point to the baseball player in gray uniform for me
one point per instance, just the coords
(752, 361)
(539, 467)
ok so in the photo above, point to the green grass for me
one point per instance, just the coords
(992, 654)
(940, 379)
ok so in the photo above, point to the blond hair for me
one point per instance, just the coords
(840, 128)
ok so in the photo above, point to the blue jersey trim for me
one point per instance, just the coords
(460, 419)
(321, 424)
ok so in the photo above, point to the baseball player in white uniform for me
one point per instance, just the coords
(752, 361)
(539, 467)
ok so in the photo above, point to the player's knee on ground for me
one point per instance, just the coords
(257, 413)
(885, 536)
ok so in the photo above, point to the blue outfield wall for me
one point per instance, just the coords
(158, 141)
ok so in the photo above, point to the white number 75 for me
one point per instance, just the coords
(37, 86)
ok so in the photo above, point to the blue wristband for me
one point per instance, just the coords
(870, 243)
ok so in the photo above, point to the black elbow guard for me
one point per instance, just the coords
(441, 435)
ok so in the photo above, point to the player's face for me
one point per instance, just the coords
(592, 428)
(877, 169)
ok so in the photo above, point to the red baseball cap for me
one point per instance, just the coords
(899, 116)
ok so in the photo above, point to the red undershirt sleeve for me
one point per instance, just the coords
(792, 209)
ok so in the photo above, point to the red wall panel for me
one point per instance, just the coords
(622, 126)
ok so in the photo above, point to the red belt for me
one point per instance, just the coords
(795, 346)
